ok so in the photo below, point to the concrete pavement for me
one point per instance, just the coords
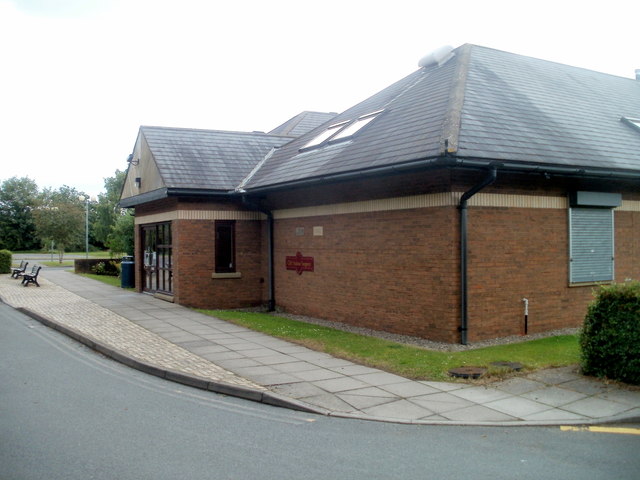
(182, 345)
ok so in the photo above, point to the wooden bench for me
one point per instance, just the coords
(32, 277)
(18, 272)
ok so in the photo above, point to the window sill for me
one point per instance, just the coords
(591, 284)
(218, 276)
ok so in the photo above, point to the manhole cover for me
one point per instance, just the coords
(512, 365)
(467, 372)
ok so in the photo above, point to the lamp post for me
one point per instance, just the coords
(86, 199)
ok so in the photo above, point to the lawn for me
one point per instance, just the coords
(408, 361)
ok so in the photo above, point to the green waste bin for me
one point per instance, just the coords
(127, 275)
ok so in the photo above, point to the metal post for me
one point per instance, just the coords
(86, 229)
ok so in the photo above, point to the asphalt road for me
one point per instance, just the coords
(69, 413)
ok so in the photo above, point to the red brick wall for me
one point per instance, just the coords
(194, 244)
(399, 271)
(524, 253)
(395, 271)
(627, 238)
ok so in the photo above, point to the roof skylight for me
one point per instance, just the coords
(634, 122)
(355, 126)
(341, 131)
(318, 139)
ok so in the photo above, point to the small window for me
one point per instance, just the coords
(356, 126)
(340, 131)
(317, 140)
(225, 247)
(634, 122)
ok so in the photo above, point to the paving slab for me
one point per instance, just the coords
(441, 402)
(596, 407)
(586, 386)
(331, 402)
(480, 395)
(341, 384)
(363, 402)
(477, 414)
(554, 396)
(517, 406)
(299, 390)
(317, 374)
(379, 378)
(519, 385)
(400, 410)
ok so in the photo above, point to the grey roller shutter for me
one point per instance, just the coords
(591, 244)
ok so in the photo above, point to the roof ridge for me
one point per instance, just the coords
(245, 180)
(204, 130)
(453, 117)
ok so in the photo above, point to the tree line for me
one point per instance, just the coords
(55, 219)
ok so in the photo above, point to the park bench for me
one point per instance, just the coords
(18, 272)
(32, 277)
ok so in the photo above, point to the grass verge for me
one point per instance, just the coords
(405, 360)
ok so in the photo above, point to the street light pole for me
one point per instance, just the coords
(86, 229)
(82, 198)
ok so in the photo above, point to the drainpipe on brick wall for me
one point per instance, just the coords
(271, 302)
(464, 318)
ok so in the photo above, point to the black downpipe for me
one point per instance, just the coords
(464, 317)
(271, 302)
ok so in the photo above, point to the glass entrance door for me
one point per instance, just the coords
(158, 274)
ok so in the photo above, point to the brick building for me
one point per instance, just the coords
(482, 183)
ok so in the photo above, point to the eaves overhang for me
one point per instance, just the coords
(429, 163)
(146, 197)
(452, 161)
(162, 193)
(539, 168)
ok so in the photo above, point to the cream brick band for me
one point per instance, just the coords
(445, 199)
(199, 215)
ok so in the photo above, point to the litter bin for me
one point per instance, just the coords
(127, 276)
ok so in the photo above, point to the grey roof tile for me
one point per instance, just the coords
(206, 159)
(302, 123)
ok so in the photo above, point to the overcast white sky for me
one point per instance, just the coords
(78, 77)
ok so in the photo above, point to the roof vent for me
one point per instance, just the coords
(437, 57)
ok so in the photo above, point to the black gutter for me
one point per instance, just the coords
(271, 302)
(452, 162)
(464, 315)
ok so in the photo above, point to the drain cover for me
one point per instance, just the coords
(467, 372)
(512, 365)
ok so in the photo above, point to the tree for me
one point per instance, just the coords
(60, 218)
(121, 238)
(107, 210)
(18, 198)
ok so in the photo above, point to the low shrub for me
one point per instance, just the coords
(610, 339)
(5, 261)
(109, 268)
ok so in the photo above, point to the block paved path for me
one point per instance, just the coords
(186, 346)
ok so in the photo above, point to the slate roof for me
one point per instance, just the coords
(206, 159)
(487, 105)
(302, 123)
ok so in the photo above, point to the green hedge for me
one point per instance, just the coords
(610, 339)
(5, 261)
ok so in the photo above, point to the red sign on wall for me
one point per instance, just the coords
(300, 264)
